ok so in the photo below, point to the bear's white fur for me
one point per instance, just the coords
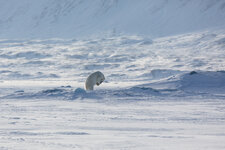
(95, 78)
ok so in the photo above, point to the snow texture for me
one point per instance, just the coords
(164, 73)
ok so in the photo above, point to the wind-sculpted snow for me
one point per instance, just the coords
(125, 60)
(158, 93)
(193, 84)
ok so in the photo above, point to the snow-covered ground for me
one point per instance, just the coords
(112, 124)
(164, 64)
(163, 93)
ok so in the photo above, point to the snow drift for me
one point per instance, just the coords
(134, 66)
(193, 83)
(204, 84)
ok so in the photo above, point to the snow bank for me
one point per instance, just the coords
(211, 83)
(201, 83)
(204, 82)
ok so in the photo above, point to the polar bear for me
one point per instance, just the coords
(94, 78)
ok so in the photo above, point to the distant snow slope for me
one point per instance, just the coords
(76, 18)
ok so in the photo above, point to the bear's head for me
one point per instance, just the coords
(100, 78)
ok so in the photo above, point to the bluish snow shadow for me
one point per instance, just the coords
(200, 83)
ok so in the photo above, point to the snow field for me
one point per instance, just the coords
(112, 124)
(164, 93)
